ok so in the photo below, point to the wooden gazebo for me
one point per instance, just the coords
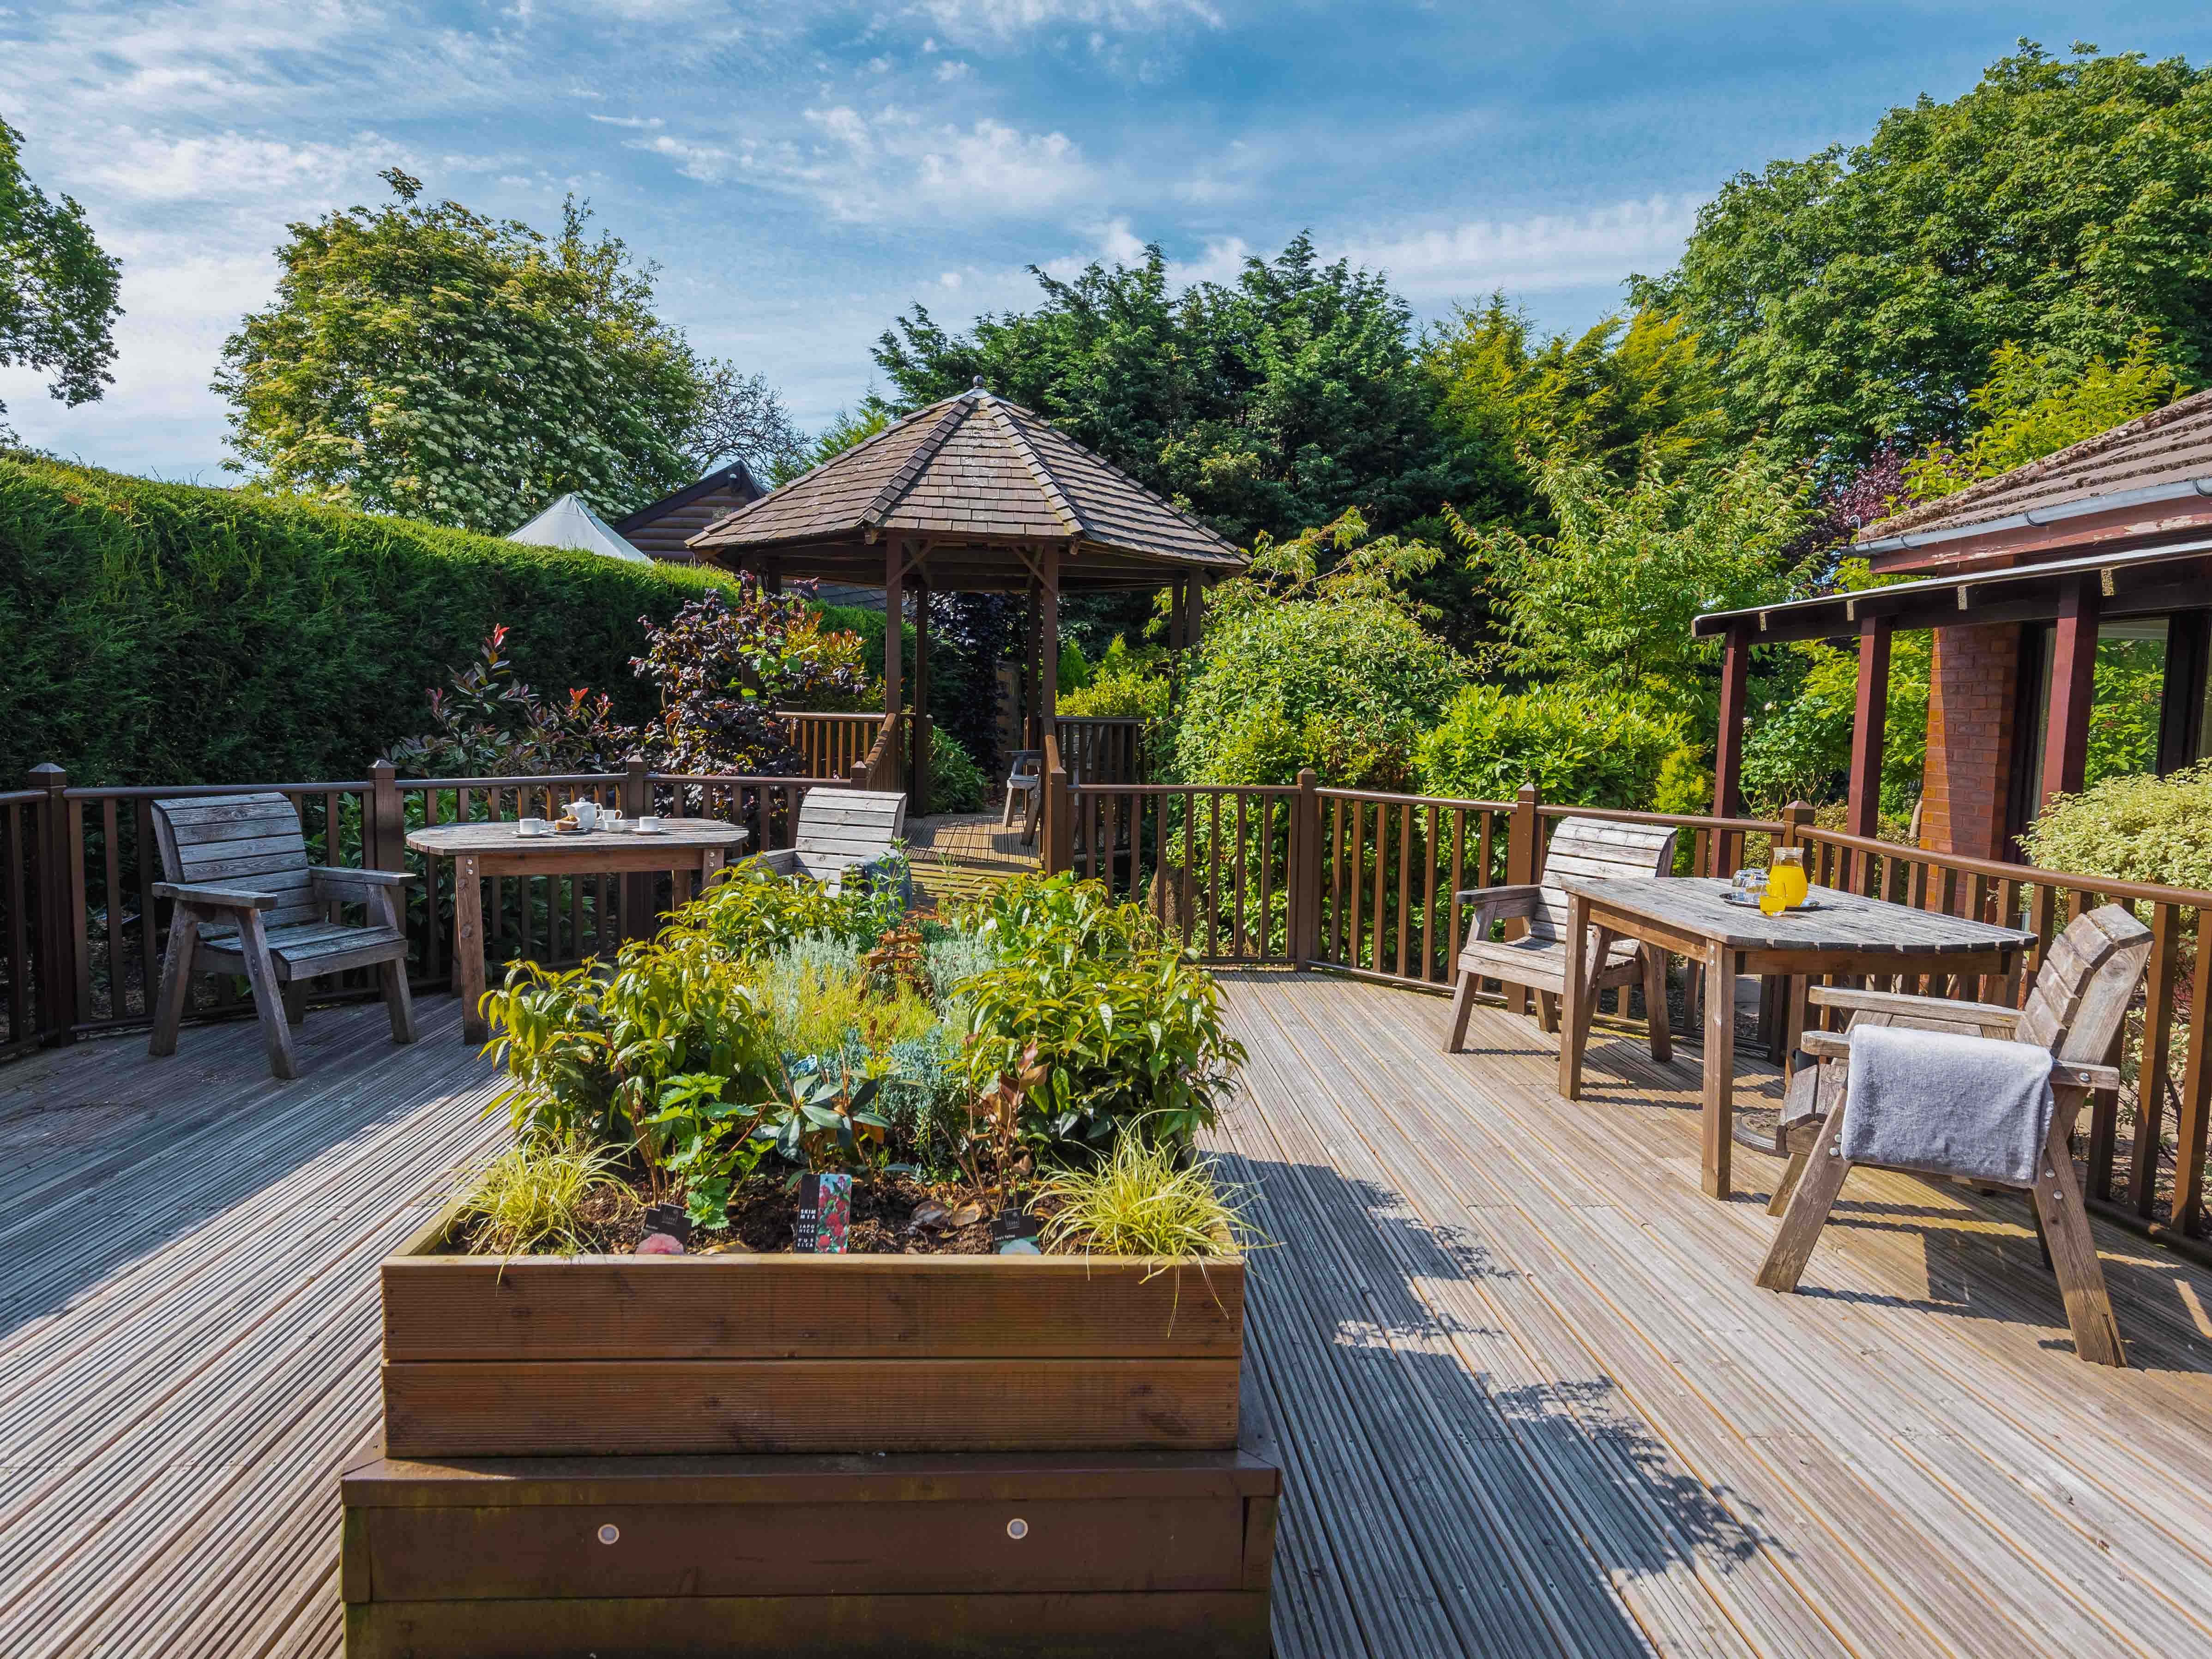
(973, 494)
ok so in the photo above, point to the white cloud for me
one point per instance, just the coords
(1545, 251)
(1004, 19)
(953, 69)
(152, 166)
(636, 123)
(708, 164)
(948, 279)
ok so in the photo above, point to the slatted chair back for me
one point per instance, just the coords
(849, 826)
(2086, 980)
(1601, 849)
(250, 841)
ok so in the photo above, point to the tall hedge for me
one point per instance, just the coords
(160, 632)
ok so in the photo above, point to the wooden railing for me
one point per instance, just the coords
(82, 933)
(884, 765)
(1366, 884)
(830, 745)
(1101, 749)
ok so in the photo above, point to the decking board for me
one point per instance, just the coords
(1525, 1395)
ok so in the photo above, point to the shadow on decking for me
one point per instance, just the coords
(1458, 1507)
(109, 1155)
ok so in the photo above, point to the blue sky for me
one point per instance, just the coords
(802, 172)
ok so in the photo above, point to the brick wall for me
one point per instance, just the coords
(1973, 678)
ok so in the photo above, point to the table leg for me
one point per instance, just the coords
(710, 866)
(1574, 1001)
(1794, 989)
(469, 948)
(1720, 1067)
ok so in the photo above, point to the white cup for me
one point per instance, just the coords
(648, 822)
(530, 826)
(587, 813)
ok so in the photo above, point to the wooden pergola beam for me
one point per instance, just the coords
(2073, 685)
(1728, 747)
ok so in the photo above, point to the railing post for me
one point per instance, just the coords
(384, 844)
(1521, 850)
(1057, 836)
(1301, 918)
(55, 950)
(637, 887)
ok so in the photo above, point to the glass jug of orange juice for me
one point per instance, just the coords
(1786, 886)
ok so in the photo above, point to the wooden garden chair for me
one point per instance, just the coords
(1022, 781)
(247, 901)
(2075, 1009)
(1538, 959)
(840, 831)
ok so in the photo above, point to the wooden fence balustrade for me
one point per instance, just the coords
(830, 745)
(81, 934)
(1358, 881)
(1101, 749)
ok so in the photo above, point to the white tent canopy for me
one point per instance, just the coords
(570, 522)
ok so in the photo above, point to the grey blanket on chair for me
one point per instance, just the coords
(1948, 1104)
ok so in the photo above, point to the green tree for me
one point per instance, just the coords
(1857, 297)
(58, 304)
(847, 428)
(1607, 602)
(1264, 404)
(2029, 408)
(1622, 386)
(428, 360)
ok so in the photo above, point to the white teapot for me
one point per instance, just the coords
(587, 813)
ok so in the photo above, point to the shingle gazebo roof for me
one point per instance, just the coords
(977, 479)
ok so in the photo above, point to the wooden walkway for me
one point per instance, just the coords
(958, 856)
(1530, 1402)
(1528, 1399)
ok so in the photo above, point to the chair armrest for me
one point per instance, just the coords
(1989, 1015)
(1826, 1045)
(2080, 1074)
(781, 860)
(338, 875)
(217, 898)
(1494, 903)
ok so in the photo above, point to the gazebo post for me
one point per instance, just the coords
(772, 575)
(1728, 747)
(1053, 829)
(917, 784)
(894, 626)
(1032, 736)
(1196, 635)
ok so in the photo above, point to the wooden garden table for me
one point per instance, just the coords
(1847, 934)
(478, 850)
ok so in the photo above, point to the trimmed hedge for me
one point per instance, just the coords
(160, 632)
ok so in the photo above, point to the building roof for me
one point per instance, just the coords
(570, 522)
(663, 528)
(2163, 457)
(974, 477)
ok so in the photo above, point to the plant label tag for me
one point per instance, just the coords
(1012, 1222)
(825, 1210)
(668, 1218)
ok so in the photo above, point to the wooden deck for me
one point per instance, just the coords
(956, 856)
(1528, 1399)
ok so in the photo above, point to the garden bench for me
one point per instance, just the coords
(1538, 959)
(840, 831)
(247, 901)
(2075, 1009)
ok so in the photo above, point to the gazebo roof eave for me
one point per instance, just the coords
(992, 560)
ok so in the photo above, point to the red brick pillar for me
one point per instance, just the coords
(1971, 684)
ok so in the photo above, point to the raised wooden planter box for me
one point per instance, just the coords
(544, 1356)
(859, 1456)
(905, 1557)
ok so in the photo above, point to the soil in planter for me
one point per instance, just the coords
(763, 1209)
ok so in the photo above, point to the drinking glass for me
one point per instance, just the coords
(1786, 886)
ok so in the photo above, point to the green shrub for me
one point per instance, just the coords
(1346, 686)
(530, 1199)
(1125, 684)
(956, 784)
(1142, 1200)
(159, 633)
(2133, 828)
(1578, 746)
